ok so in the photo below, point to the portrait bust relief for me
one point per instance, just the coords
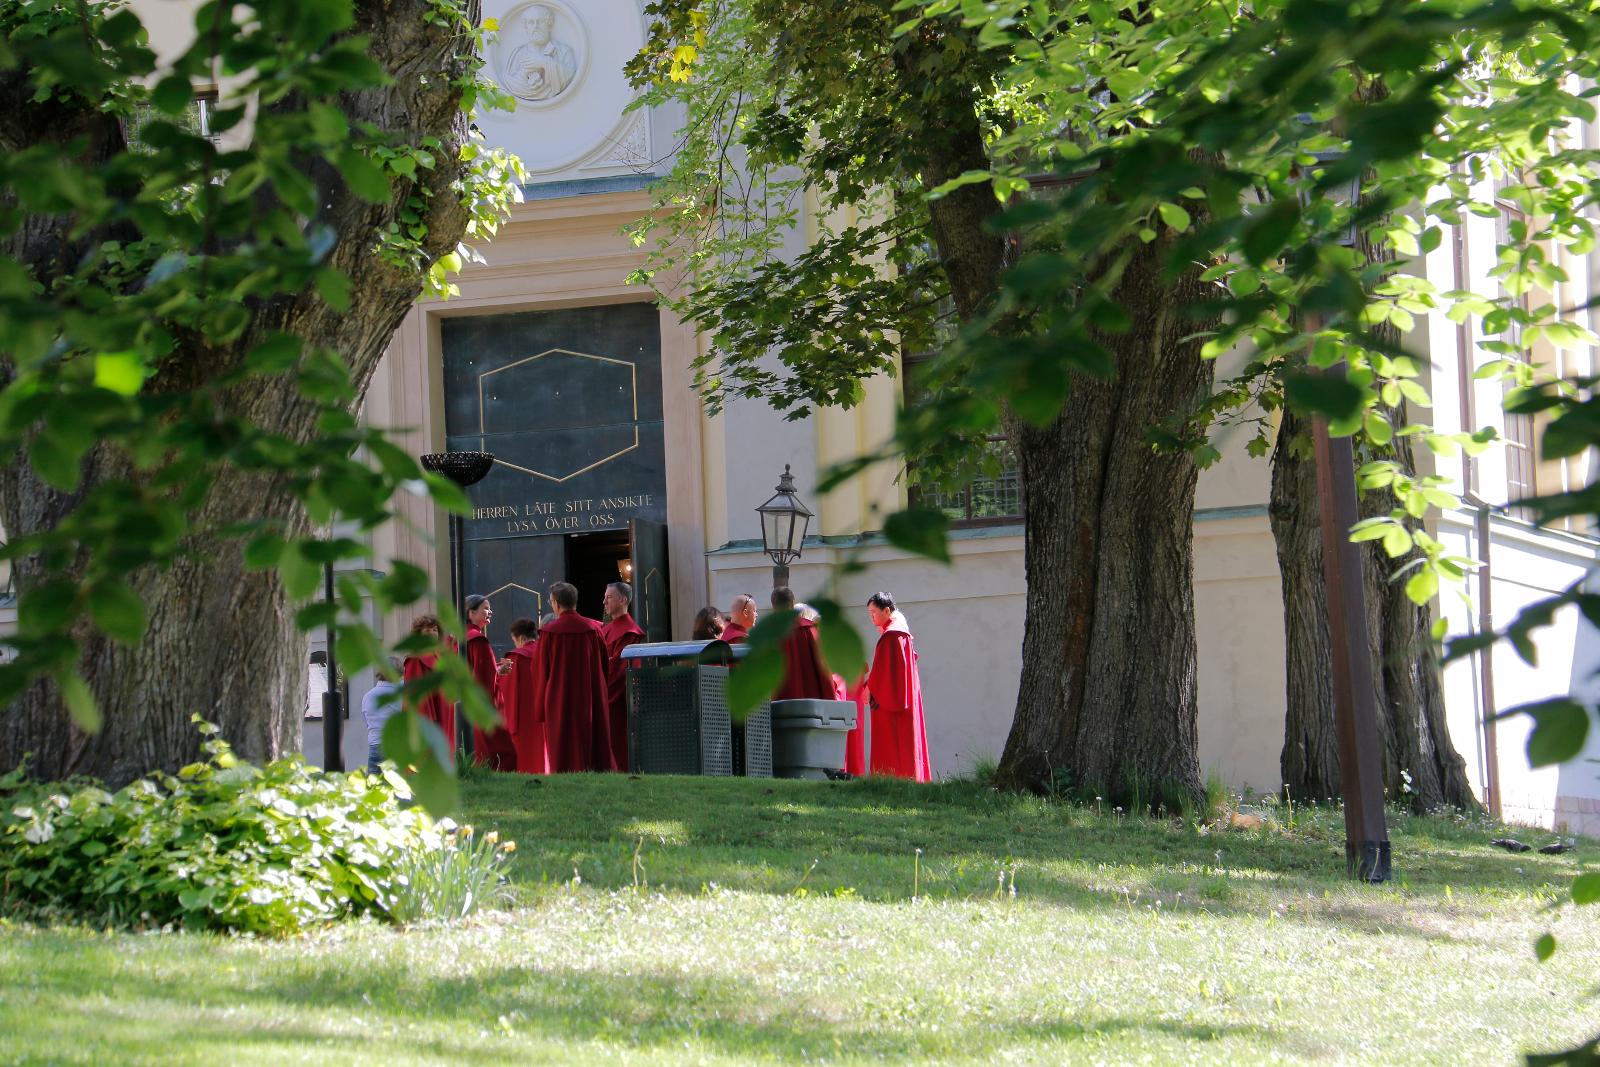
(540, 53)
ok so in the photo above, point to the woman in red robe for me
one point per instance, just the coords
(491, 748)
(891, 693)
(433, 706)
(519, 706)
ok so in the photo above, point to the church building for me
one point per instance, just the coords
(608, 466)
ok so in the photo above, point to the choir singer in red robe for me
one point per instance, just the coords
(519, 705)
(570, 687)
(491, 748)
(891, 695)
(805, 675)
(433, 706)
(619, 632)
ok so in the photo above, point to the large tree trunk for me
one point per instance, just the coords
(1107, 697)
(222, 641)
(1409, 693)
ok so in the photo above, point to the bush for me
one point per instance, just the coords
(223, 845)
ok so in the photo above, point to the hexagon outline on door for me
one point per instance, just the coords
(537, 599)
(633, 396)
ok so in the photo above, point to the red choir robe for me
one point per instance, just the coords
(734, 632)
(433, 706)
(490, 748)
(570, 693)
(804, 673)
(618, 634)
(520, 711)
(899, 738)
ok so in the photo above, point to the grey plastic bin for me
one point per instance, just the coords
(808, 736)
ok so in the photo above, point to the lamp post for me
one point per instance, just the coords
(463, 468)
(784, 521)
(1366, 833)
(332, 698)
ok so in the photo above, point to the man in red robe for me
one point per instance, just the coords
(491, 748)
(570, 687)
(891, 695)
(619, 632)
(805, 675)
(519, 706)
(741, 618)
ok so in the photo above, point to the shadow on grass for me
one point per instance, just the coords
(485, 1017)
(862, 838)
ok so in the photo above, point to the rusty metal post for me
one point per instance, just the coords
(1366, 832)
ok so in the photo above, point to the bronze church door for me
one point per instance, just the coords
(569, 403)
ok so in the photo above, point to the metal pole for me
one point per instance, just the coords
(780, 575)
(458, 584)
(332, 712)
(1355, 718)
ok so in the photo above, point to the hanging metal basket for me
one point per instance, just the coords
(463, 468)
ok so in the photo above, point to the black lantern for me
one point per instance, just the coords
(784, 521)
(463, 468)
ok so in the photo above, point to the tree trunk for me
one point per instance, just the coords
(1107, 691)
(1409, 693)
(1106, 704)
(222, 642)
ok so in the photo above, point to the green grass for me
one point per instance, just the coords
(743, 921)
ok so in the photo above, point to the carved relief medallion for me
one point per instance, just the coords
(541, 53)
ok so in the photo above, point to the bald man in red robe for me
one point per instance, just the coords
(570, 687)
(805, 675)
(519, 706)
(741, 618)
(491, 748)
(619, 632)
(891, 694)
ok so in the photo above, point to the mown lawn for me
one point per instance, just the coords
(671, 920)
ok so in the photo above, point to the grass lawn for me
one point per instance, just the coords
(673, 920)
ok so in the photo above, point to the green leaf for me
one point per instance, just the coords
(1421, 586)
(120, 372)
(1545, 947)
(58, 466)
(334, 288)
(173, 94)
(1322, 394)
(118, 611)
(436, 787)
(920, 531)
(80, 702)
(263, 550)
(364, 176)
(1586, 888)
(1560, 727)
(300, 575)
(842, 646)
(756, 679)
(48, 607)
(274, 355)
(1174, 216)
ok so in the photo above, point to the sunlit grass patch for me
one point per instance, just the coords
(732, 922)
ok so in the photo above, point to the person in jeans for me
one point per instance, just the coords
(378, 707)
